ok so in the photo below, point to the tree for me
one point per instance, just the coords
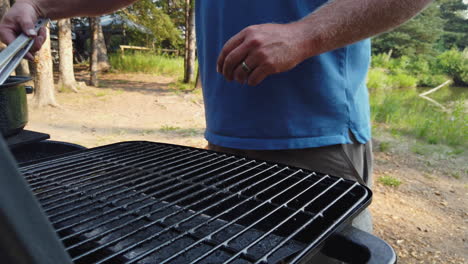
(44, 79)
(103, 59)
(153, 17)
(456, 24)
(418, 36)
(189, 60)
(66, 73)
(4, 6)
(94, 24)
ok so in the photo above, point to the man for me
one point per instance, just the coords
(283, 80)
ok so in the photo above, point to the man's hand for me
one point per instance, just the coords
(21, 18)
(266, 49)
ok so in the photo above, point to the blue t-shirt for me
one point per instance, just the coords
(315, 104)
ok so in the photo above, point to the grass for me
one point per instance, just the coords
(182, 87)
(384, 146)
(101, 94)
(390, 181)
(182, 132)
(147, 63)
(167, 129)
(404, 112)
(456, 175)
(419, 149)
(153, 64)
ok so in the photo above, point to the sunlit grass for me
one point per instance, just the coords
(147, 63)
(403, 111)
(390, 181)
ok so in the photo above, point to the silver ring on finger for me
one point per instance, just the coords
(245, 67)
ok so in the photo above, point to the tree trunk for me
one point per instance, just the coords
(4, 6)
(94, 23)
(44, 79)
(23, 69)
(67, 80)
(189, 60)
(103, 60)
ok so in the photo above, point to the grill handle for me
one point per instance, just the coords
(356, 246)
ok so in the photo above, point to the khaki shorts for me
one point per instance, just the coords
(349, 161)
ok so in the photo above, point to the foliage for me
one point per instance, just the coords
(455, 64)
(431, 80)
(425, 71)
(390, 181)
(402, 80)
(163, 30)
(442, 26)
(456, 25)
(378, 80)
(404, 111)
(414, 37)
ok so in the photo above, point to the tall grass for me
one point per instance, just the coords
(146, 62)
(403, 111)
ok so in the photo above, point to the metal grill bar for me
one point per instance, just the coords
(59, 170)
(289, 218)
(121, 161)
(226, 242)
(199, 213)
(122, 207)
(87, 179)
(208, 237)
(124, 190)
(264, 259)
(72, 159)
(166, 216)
(131, 202)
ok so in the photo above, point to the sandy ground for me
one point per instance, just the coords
(424, 219)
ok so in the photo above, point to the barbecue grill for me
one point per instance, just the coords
(144, 202)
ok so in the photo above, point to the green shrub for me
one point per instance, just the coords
(418, 66)
(402, 80)
(377, 80)
(390, 181)
(381, 61)
(400, 65)
(455, 64)
(430, 80)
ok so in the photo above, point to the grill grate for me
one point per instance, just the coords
(142, 202)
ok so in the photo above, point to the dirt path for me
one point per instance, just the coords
(424, 219)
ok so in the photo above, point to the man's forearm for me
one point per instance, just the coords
(342, 22)
(56, 9)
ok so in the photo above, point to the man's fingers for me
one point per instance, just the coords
(29, 57)
(27, 26)
(240, 74)
(258, 75)
(7, 36)
(40, 39)
(233, 59)
(228, 47)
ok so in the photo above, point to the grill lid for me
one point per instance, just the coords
(143, 202)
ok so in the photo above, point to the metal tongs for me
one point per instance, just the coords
(12, 55)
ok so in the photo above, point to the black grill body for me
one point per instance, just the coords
(142, 202)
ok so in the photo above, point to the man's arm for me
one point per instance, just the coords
(24, 13)
(273, 48)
